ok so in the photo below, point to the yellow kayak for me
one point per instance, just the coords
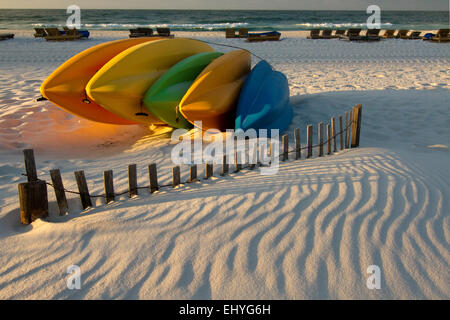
(65, 87)
(213, 96)
(121, 84)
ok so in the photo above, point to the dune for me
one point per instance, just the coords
(308, 232)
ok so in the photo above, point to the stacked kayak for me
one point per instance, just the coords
(170, 82)
(119, 86)
(66, 86)
(213, 96)
(264, 100)
(164, 96)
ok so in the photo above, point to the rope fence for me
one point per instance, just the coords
(33, 195)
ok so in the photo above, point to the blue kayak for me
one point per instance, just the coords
(264, 100)
(84, 33)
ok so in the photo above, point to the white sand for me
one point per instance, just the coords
(309, 232)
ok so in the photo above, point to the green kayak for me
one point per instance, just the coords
(163, 97)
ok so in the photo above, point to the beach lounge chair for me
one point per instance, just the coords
(243, 32)
(441, 36)
(163, 32)
(415, 35)
(40, 33)
(372, 35)
(402, 34)
(265, 36)
(53, 34)
(314, 34)
(141, 32)
(84, 34)
(325, 34)
(351, 35)
(6, 36)
(388, 34)
(338, 34)
(230, 33)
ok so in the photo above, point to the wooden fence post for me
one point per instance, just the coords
(356, 125)
(346, 130)
(328, 139)
(175, 176)
(193, 173)
(60, 194)
(341, 133)
(333, 134)
(309, 139)
(33, 198)
(132, 180)
(350, 115)
(83, 189)
(109, 186)
(237, 165)
(153, 177)
(33, 201)
(30, 165)
(298, 147)
(208, 170)
(285, 146)
(320, 136)
(253, 160)
(224, 165)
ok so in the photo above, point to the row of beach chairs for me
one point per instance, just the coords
(252, 37)
(374, 35)
(231, 33)
(6, 36)
(148, 32)
(54, 34)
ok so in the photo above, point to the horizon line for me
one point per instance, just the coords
(153, 9)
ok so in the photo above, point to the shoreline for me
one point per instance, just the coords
(215, 34)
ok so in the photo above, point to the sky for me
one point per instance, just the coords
(441, 5)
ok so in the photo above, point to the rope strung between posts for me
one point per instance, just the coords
(187, 182)
(234, 47)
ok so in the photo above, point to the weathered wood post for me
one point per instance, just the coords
(356, 125)
(341, 133)
(224, 165)
(30, 165)
(262, 154)
(237, 159)
(333, 133)
(83, 189)
(346, 130)
(320, 136)
(309, 139)
(297, 142)
(253, 160)
(175, 176)
(132, 180)
(33, 198)
(109, 186)
(350, 115)
(208, 170)
(285, 146)
(60, 194)
(153, 177)
(328, 139)
(193, 173)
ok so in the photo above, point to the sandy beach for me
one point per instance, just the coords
(308, 232)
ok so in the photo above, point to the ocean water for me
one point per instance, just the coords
(215, 20)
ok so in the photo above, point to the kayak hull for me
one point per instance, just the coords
(164, 96)
(65, 87)
(119, 86)
(213, 96)
(264, 101)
